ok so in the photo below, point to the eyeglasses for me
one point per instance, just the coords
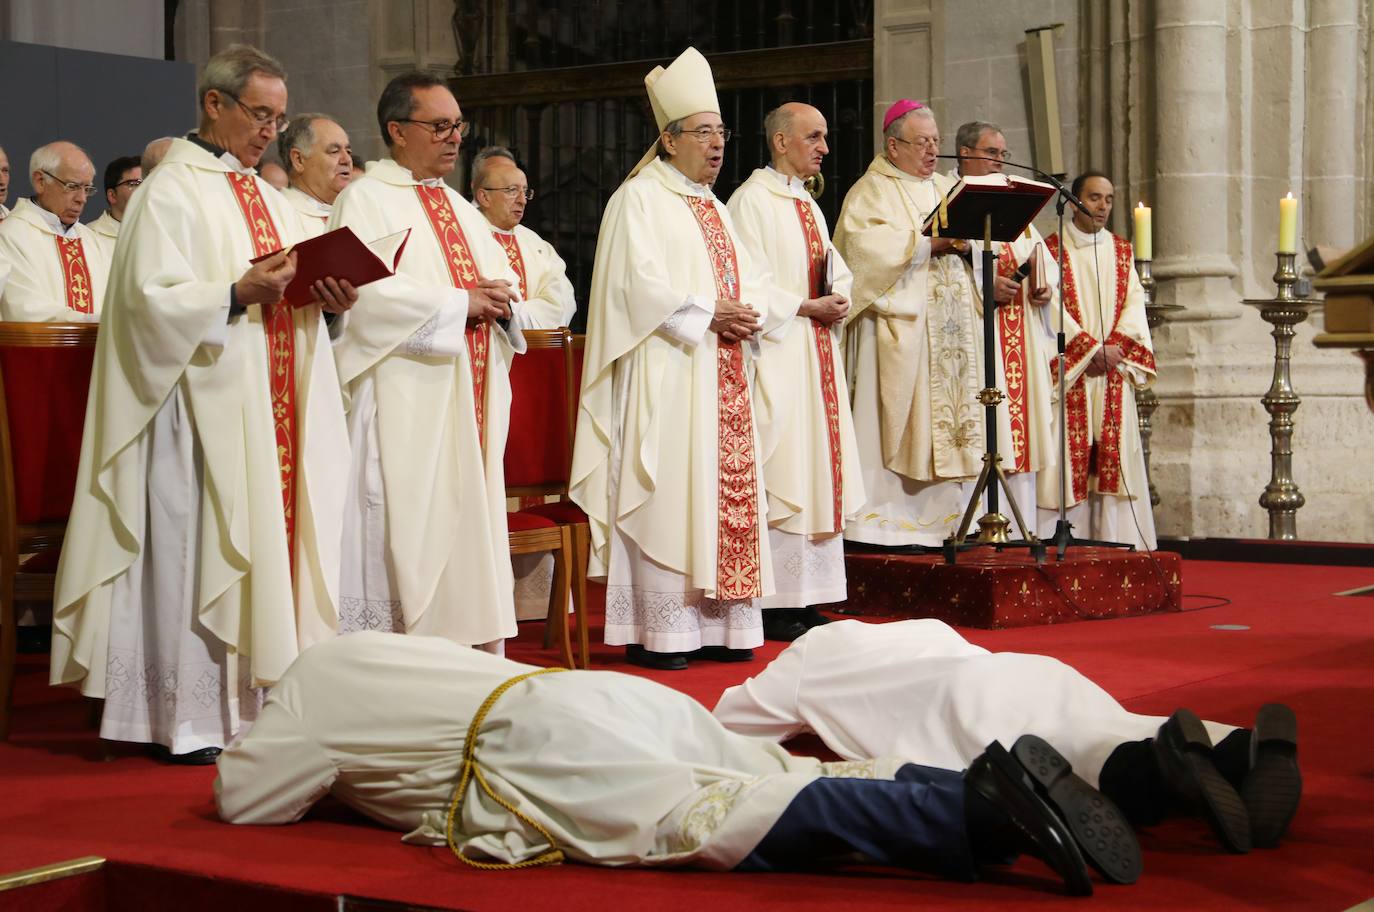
(512, 192)
(921, 142)
(1003, 154)
(706, 134)
(260, 116)
(131, 183)
(71, 186)
(442, 129)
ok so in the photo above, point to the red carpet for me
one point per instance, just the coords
(61, 796)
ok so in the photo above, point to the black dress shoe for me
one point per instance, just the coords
(1024, 822)
(810, 617)
(203, 757)
(636, 654)
(1183, 751)
(781, 625)
(721, 654)
(1103, 835)
(1273, 786)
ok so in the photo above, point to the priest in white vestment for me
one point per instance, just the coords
(123, 176)
(1109, 355)
(202, 551)
(912, 343)
(53, 268)
(919, 690)
(452, 746)
(667, 458)
(1026, 439)
(319, 163)
(810, 459)
(4, 183)
(424, 361)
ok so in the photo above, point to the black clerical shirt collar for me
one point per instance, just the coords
(210, 147)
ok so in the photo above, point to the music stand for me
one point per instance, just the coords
(995, 209)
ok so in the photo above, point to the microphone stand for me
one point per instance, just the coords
(1063, 536)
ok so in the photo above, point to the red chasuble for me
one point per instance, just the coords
(511, 245)
(462, 270)
(280, 329)
(815, 263)
(738, 570)
(76, 277)
(1107, 461)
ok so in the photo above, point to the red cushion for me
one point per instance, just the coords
(524, 522)
(45, 396)
(565, 514)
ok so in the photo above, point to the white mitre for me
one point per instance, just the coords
(685, 88)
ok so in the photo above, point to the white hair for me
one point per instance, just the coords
(49, 157)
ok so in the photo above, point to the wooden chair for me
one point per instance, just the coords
(45, 373)
(538, 462)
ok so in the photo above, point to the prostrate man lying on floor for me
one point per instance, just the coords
(918, 690)
(513, 765)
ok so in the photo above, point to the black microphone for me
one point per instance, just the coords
(1058, 184)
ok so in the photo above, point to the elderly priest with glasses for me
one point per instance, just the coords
(667, 460)
(53, 268)
(203, 548)
(424, 361)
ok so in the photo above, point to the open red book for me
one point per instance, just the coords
(340, 254)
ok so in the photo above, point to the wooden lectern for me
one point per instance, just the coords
(1349, 286)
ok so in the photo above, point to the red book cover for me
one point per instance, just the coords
(339, 254)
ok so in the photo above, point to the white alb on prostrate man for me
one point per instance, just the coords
(123, 176)
(1025, 338)
(1109, 353)
(500, 190)
(666, 463)
(319, 163)
(203, 548)
(424, 363)
(52, 268)
(810, 459)
(912, 338)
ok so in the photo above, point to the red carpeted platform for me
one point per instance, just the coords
(1283, 635)
(995, 589)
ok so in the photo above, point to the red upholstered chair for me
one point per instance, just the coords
(538, 460)
(45, 372)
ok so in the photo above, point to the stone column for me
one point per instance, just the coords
(1333, 135)
(236, 22)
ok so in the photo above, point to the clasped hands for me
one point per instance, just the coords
(1105, 360)
(490, 300)
(735, 321)
(1004, 291)
(265, 282)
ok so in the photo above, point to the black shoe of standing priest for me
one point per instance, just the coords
(636, 654)
(203, 757)
(781, 624)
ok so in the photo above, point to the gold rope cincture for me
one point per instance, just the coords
(471, 770)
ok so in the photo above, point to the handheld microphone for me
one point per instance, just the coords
(1058, 184)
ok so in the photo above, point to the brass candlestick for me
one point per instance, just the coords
(1284, 312)
(1146, 401)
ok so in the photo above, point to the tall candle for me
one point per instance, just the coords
(1288, 224)
(1144, 239)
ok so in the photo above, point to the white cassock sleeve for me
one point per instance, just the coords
(274, 773)
(767, 705)
(688, 324)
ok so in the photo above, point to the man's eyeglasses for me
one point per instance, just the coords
(705, 134)
(442, 129)
(131, 183)
(1003, 154)
(922, 143)
(260, 116)
(72, 186)
(512, 192)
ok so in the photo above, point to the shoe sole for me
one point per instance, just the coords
(1204, 787)
(1103, 834)
(1273, 786)
(1074, 872)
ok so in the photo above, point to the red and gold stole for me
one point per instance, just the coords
(76, 277)
(1011, 320)
(511, 245)
(1108, 461)
(462, 271)
(815, 265)
(279, 327)
(738, 568)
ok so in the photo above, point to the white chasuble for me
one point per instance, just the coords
(380, 721)
(666, 462)
(313, 214)
(202, 551)
(810, 458)
(913, 359)
(105, 231)
(920, 691)
(428, 402)
(55, 273)
(544, 286)
(1104, 475)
